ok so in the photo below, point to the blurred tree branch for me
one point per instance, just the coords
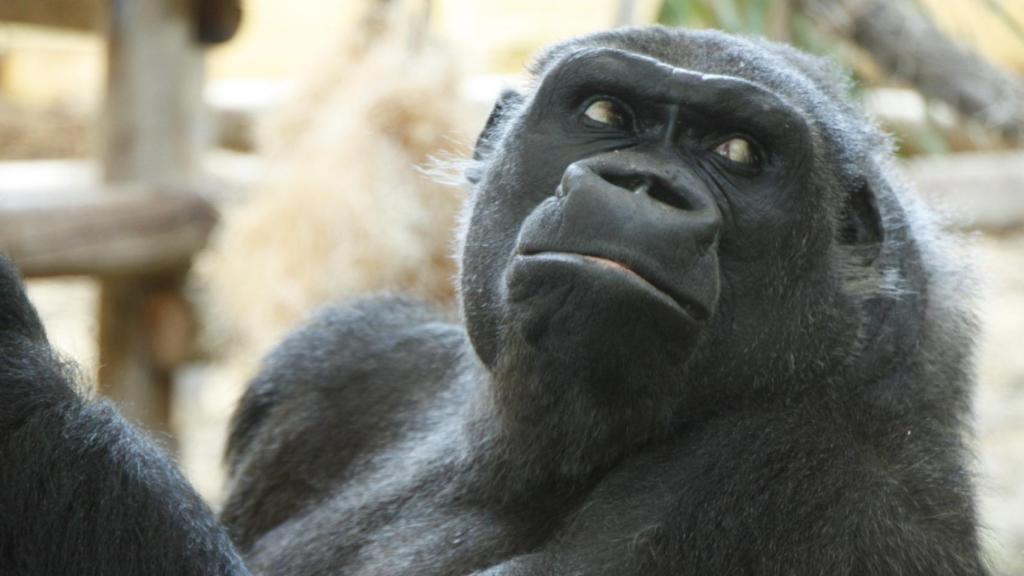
(909, 46)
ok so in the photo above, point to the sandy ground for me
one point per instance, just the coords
(207, 393)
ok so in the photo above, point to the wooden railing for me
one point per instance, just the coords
(137, 231)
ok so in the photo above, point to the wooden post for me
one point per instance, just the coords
(626, 13)
(151, 135)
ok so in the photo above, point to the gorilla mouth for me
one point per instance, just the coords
(647, 282)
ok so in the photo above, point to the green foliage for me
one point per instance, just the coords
(742, 16)
(780, 20)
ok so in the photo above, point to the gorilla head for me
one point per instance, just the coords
(671, 223)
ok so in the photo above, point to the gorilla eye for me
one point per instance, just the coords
(738, 150)
(607, 112)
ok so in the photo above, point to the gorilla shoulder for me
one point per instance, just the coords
(343, 384)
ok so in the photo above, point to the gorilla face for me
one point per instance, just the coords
(645, 222)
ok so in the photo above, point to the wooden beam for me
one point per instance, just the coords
(977, 191)
(213, 21)
(83, 15)
(103, 232)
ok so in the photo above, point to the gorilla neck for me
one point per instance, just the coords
(535, 425)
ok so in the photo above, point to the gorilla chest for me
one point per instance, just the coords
(450, 526)
(429, 539)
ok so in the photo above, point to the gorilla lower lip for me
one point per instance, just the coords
(688, 309)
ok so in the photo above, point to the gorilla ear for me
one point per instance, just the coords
(860, 225)
(509, 100)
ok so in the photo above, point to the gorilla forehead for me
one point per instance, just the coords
(706, 51)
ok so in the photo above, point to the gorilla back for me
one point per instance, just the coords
(705, 332)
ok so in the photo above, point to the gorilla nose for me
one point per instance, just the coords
(673, 198)
(618, 212)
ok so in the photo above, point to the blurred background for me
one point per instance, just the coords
(184, 180)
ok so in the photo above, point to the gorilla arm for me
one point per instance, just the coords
(81, 490)
(345, 384)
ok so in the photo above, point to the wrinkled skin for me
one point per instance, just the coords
(704, 332)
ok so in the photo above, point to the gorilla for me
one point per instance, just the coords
(705, 331)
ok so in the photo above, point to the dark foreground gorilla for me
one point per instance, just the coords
(705, 333)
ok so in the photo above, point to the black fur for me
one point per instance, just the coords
(81, 491)
(670, 362)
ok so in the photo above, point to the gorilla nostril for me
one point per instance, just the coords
(633, 182)
(651, 186)
(666, 195)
